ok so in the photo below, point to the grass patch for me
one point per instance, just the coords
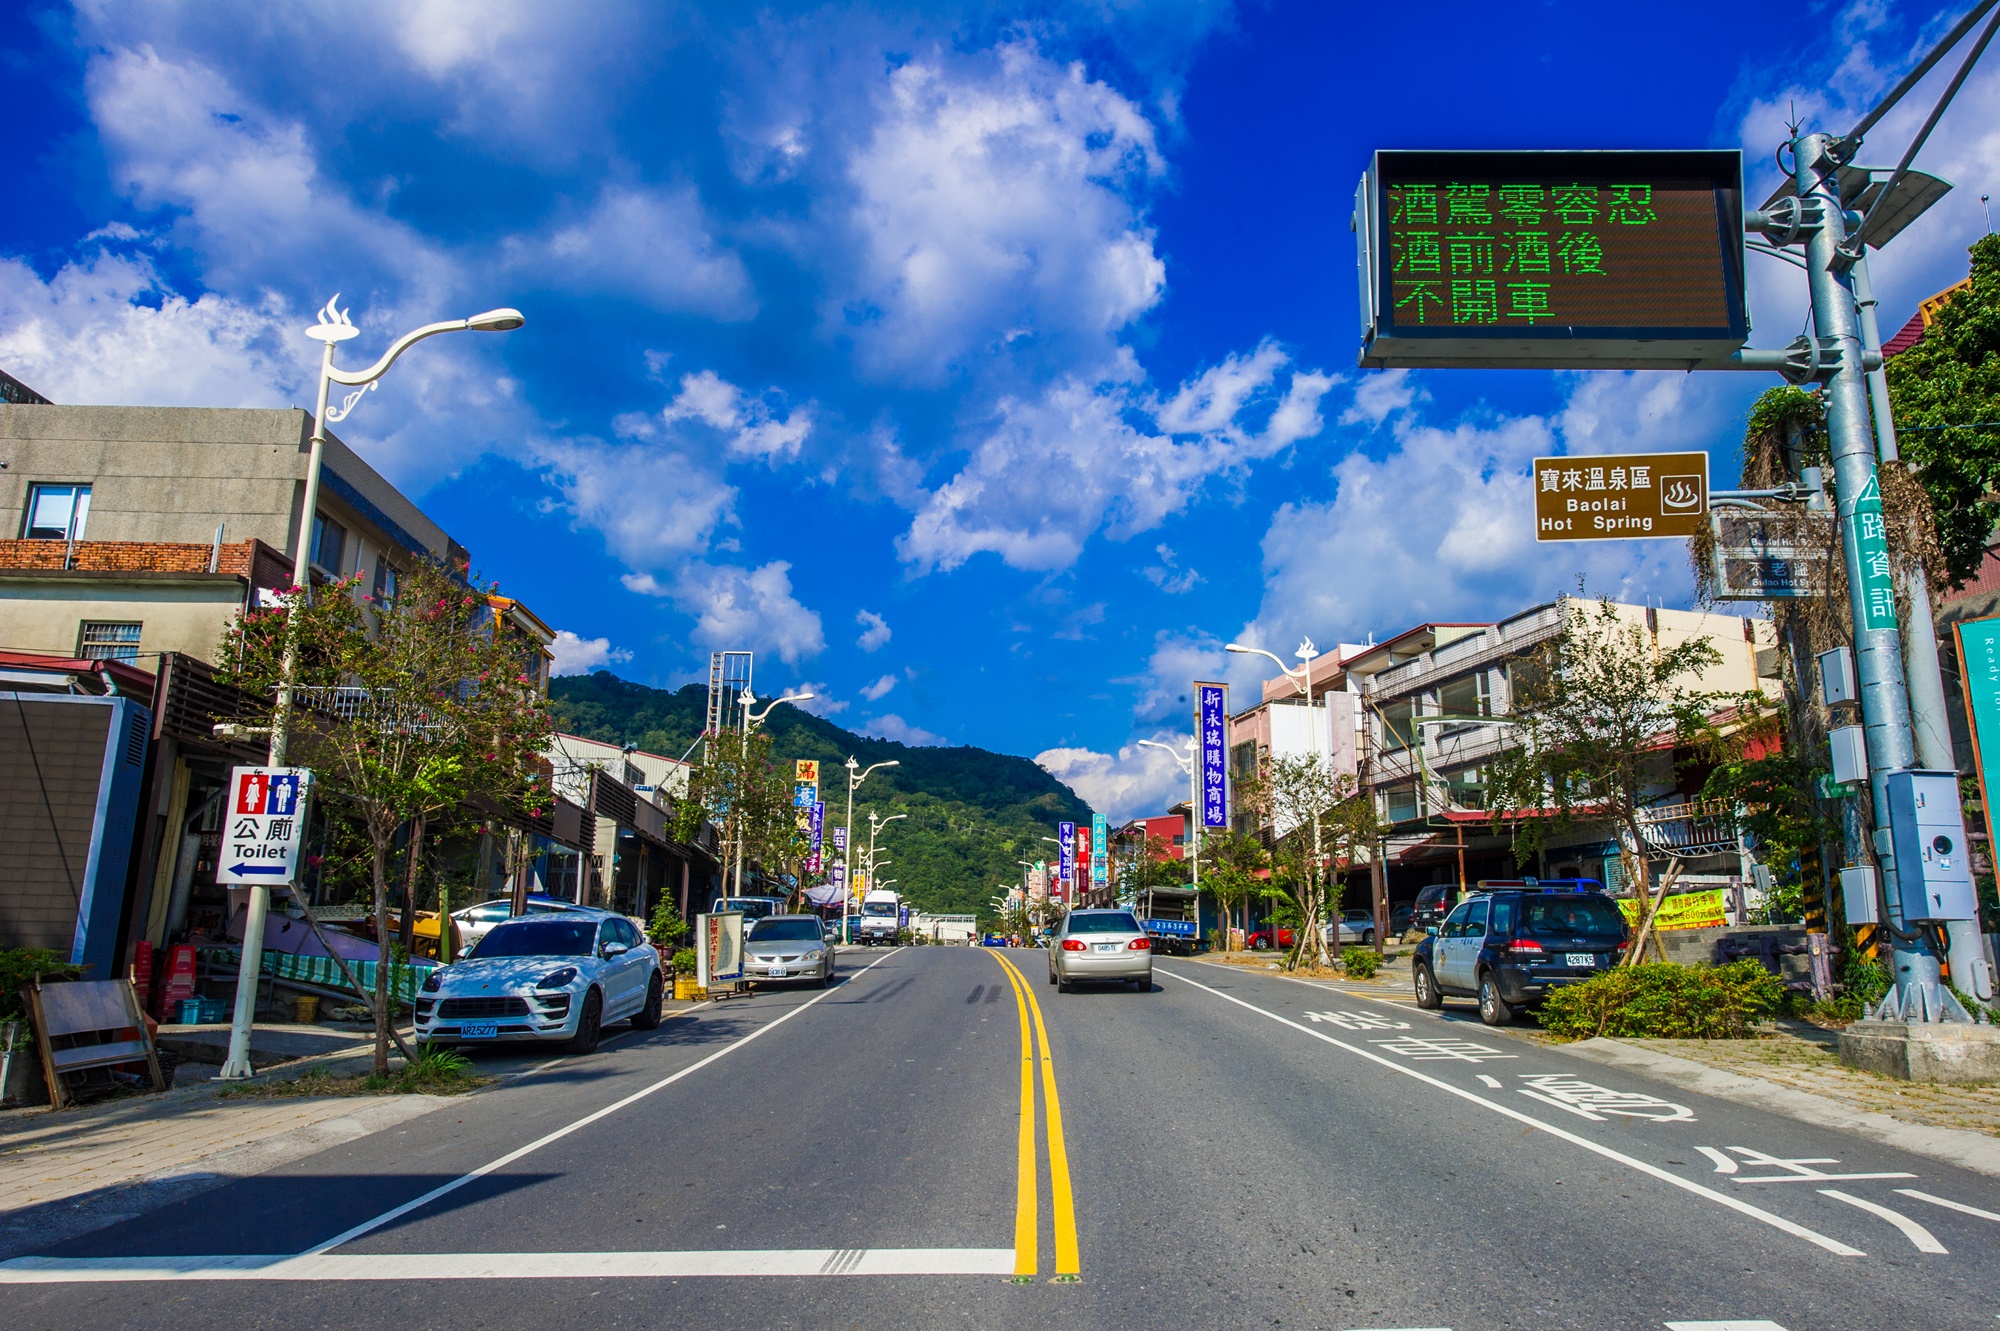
(436, 1072)
(1663, 1001)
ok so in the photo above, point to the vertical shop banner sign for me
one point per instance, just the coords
(1979, 668)
(817, 831)
(1066, 841)
(1868, 541)
(806, 771)
(1214, 722)
(804, 795)
(840, 838)
(1100, 868)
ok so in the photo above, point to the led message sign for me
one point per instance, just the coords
(1587, 260)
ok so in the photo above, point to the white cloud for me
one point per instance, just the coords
(655, 504)
(1378, 396)
(1168, 575)
(874, 692)
(752, 428)
(653, 246)
(822, 702)
(1118, 477)
(740, 609)
(579, 656)
(992, 204)
(104, 331)
(893, 727)
(875, 631)
(1442, 527)
(1134, 782)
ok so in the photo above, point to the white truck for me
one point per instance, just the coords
(881, 917)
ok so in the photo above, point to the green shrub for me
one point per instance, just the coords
(686, 963)
(1662, 1000)
(1360, 962)
(666, 927)
(18, 968)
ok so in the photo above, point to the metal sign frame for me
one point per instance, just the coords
(1750, 566)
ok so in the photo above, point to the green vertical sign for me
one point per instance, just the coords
(1979, 667)
(1868, 537)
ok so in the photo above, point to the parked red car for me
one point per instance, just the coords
(1261, 938)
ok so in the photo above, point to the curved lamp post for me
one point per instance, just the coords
(748, 701)
(333, 328)
(856, 774)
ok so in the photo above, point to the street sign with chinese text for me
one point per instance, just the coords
(1212, 720)
(1979, 670)
(1551, 260)
(817, 831)
(1866, 540)
(1759, 556)
(1621, 497)
(1066, 843)
(265, 825)
(840, 838)
(804, 795)
(806, 770)
(1100, 868)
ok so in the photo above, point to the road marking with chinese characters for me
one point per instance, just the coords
(1594, 1102)
(1795, 1171)
(1358, 1021)
(1464, 1051)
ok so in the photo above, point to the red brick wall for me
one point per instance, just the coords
(245, 559)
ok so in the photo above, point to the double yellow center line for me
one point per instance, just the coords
(1027, 1206)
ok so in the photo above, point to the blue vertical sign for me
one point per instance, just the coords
(1214, 713)
(1099, 866)
(1066, 839)
(818, 833)
(1979, 667)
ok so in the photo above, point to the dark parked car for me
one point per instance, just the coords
(1401, 920)
(1433, 904)
(1508, 947)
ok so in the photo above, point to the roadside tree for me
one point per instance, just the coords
(1596, 710)
(1319, 817)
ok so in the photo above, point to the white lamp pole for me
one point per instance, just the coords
(748, 701)
(333, 328)
(856, 774)
(1302, 676)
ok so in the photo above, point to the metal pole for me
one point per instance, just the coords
(236, 1064)
(1885, 704)
(847, 856)
(1928, 722)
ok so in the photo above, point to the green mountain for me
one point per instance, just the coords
(972, 813)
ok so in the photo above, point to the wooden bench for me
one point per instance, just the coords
(98, 1023)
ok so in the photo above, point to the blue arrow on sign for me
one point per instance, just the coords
(257, 868)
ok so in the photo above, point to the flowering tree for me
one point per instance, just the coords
(406, 710)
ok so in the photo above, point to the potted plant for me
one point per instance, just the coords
(685, 963)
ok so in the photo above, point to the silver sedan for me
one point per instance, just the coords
(1100, 945)
(789, 947)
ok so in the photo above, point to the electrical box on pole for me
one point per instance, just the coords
(1836, 677)
(1933, 867)
(1626, 259)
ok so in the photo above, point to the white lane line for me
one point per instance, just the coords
(367, 1226)
(1737, 1204)
(1493, 1082)
(1948, 1204)
(514, 1265)
(1924, 1240)
(1724, 1326)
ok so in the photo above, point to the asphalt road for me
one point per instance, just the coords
(1230, 1149)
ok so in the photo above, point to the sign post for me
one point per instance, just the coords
(262, 834)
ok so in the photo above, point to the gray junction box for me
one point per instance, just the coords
(1933, 867)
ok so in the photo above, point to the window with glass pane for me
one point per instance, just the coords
(1466, 697)
(1467, 787)
(1402, 803)
(385, 582)
(329, 543)
(56, 512)
(1396, 728)
(100, 641)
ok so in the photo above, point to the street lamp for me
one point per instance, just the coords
(1193, 770)
(334, 327)
(748, 701)
(856, 774)
(1301, 676)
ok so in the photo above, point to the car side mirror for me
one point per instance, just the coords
(610, 950)
(1431, 929)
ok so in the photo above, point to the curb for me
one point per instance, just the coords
(1970, 1150)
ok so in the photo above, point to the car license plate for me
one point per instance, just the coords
(1107, 947)
(1580, 958)
(479, 1030)
(779, 972)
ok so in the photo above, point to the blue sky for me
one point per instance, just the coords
(983, 368)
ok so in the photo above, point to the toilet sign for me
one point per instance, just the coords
(264, 826)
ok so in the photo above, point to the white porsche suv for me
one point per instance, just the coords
(558, 977)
